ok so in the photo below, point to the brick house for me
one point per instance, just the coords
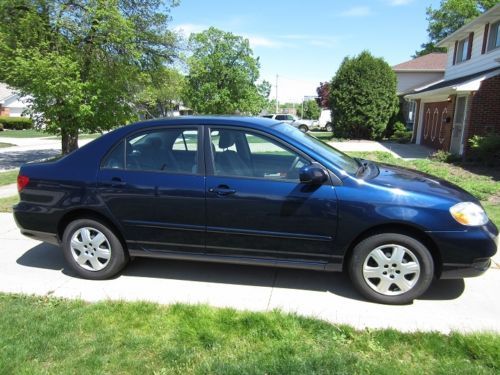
(416, 73)
(467, 101)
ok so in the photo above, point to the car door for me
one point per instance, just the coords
(256, 205)
(153, 184)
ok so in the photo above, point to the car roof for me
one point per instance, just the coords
(251, 122)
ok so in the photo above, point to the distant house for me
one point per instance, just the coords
(414, 74)
(467, 101)
(11, 104)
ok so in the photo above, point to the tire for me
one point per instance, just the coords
(391, 268)
(303, 128)
(329, 128)
(82, 246)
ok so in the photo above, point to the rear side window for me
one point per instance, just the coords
(116, 158)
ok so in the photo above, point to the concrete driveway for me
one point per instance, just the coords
(28, 266)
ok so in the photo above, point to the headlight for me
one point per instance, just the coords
(468, 213)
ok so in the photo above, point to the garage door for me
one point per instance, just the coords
(437, 125)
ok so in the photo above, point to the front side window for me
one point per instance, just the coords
(463, 50)
(494, 37)
(246, 154)
(165, 150)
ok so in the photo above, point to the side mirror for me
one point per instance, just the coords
(312, 175)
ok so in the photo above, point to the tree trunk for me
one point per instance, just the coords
(69, 140)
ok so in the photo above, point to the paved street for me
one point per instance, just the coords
(28, 266)
(29, 149)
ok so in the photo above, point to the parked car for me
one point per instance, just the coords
(325, 120)
(301, 124)
(252, 191)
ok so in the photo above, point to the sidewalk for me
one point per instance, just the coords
(31, 267)
(8, 190)
(398, 150)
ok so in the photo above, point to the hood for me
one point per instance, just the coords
(413, 181)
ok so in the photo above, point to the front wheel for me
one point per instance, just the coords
(93, 250)
(329, 128)
(391, 268)
(303, 128)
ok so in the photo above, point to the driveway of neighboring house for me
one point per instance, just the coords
(28, 266)
(399, 150)
(29, 149)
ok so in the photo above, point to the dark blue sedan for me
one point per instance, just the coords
(252, 191)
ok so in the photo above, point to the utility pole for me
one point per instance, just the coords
(276, 93)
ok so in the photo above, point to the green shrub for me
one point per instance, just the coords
(486, 149)
(16, 123)
(400, 133)
(445, 157)
(1, 127)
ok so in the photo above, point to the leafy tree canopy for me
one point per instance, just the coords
(80, 61)
(161, 92)
(323, 91)
(311, 110)
(363, 97)
(449, 17)
(223, 74)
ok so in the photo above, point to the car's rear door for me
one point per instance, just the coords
(153, 184)
(256, 205)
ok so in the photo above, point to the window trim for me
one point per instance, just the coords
(490, 28)
(459, 55)
(333, 179)
(201, 157)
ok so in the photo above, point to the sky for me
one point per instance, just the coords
(304, 42)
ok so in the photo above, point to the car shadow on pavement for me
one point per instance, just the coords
(50, 257)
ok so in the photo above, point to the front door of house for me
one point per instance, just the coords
(456, 146)
(437, 125)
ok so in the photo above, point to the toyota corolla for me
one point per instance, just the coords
(252, 191)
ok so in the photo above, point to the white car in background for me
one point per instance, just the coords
(302, 125)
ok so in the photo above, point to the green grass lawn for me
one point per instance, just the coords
(3, 144)
(484, 186)
(7, 203)
(9, 177)
(48, 335)
(28, 133)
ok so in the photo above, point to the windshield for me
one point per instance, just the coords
(335, 156)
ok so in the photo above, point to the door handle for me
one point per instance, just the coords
(222, 190)
(117, 181)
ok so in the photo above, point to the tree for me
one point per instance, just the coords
(80, 61)
(222, 75)
(363, 97)
(311, 110)
(323, 91)
(161, 93)
(449, 17)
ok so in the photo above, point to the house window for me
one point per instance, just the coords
(494, 37)
(462, 50)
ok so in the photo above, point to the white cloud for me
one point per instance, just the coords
(260, 41)
(357, 11)
(399, 2)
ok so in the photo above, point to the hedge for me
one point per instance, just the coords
(16, 123)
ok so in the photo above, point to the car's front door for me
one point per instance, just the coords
(153, 183)
(256, 205)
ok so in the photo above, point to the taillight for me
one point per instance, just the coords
(22, 181)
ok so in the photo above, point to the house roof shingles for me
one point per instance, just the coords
(432, 62)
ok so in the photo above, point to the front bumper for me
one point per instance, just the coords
(459, 271)
(466, 253)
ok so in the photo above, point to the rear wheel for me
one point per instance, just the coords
(303, 128)
(391, 268)
(93, 250)
(329, 128)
